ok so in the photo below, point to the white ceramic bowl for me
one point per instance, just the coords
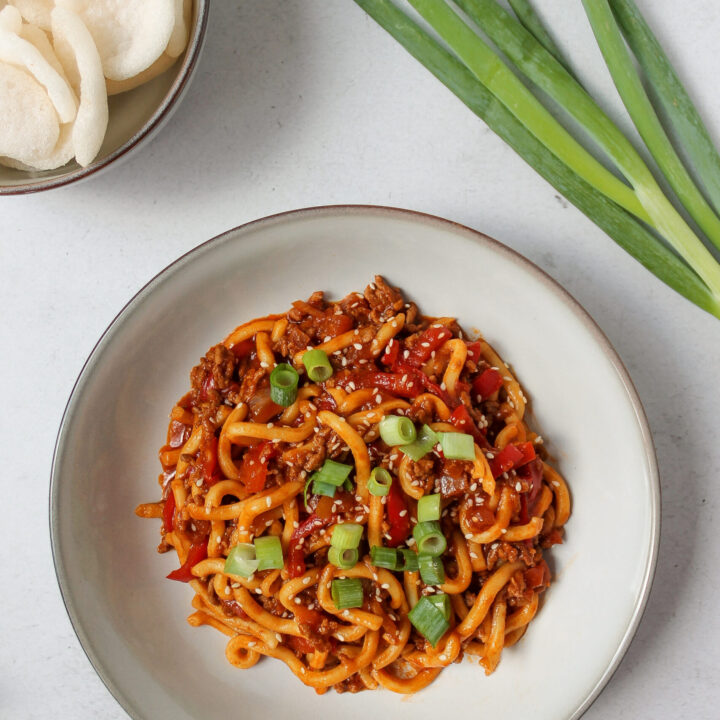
(135, 117)
(131, 621)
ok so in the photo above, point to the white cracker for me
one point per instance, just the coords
(16, 51)
(75, 48)
(40, 40)
(36, 12)
(10, 19)
(130, 34)
(23, 98)
(163, 63)
(61, 155)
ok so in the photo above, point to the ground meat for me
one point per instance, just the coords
(356, 307)
(231, 607)
(384, 300)
(308, 456)
(516, 588)
(454, 478)
(250, 382)
(421, 473)
(293, 341)
(213, 374)
(422, 412)
(509, 552)
(353, 684)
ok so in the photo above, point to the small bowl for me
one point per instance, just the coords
(135, 117)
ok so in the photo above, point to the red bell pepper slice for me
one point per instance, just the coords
(392, 351)
(488, 382)
(296, 554)
(208, 460)
(253, 471)
(395, 383)
(512, 456)
(169, 513)
(538, 577)
(474, 351)
(196, 553)
(398, 520)
(429, 341)
(463, 421)
(243, 348)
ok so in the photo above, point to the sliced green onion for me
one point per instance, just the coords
(348, 486)
(318, 365)
(344, 559)
(346, 536)
(410, 560)
(383, 557)
(333, 472)
(428, 620)
(397, 430)
(426, 440)
(624, 229)
(241, 560)
(380, 481)
(347, 593)
(429, 538)
(268, 551)
(457, 446)
(428, 508)
(320, 487)
(442, 602)
(283, 384)
(432, 570)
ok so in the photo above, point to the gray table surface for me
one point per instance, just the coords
(309, 103)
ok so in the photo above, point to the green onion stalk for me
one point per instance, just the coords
(628, 213)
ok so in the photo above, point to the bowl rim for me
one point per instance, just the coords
(413, 215)
(173, 95)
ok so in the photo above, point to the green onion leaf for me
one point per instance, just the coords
(305, 492)
(333, 472)
(426, 440)
(432, 570)
(241, 560)
(344, 559)
(383, 557)
(320, 487)
(624, 229)
(268, 552)
(397, 430)
(410, 560)
(667, 88)
(283, 384)
(457, 446)
(318, 365)
(428, 508)
(380, 481)
(348, 486)
(346, 536)
(347, 593)
(529, 18)
(429, 538)
(428, 620)
(442, 602)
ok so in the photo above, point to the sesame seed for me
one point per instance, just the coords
(263, 364)
(252, 644)
(297, 601)
(258, 591)
(279, 637)
(503, 531)
(385, 586)
(357, 346)
(378, 399)
(218, 539)
(227, 590)
(402, 513)
(443, 658)
(199, 482)
(468, 536)
(306, 581)
(555, 483)
(518, 486)
(268, 501)
(473, 487)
